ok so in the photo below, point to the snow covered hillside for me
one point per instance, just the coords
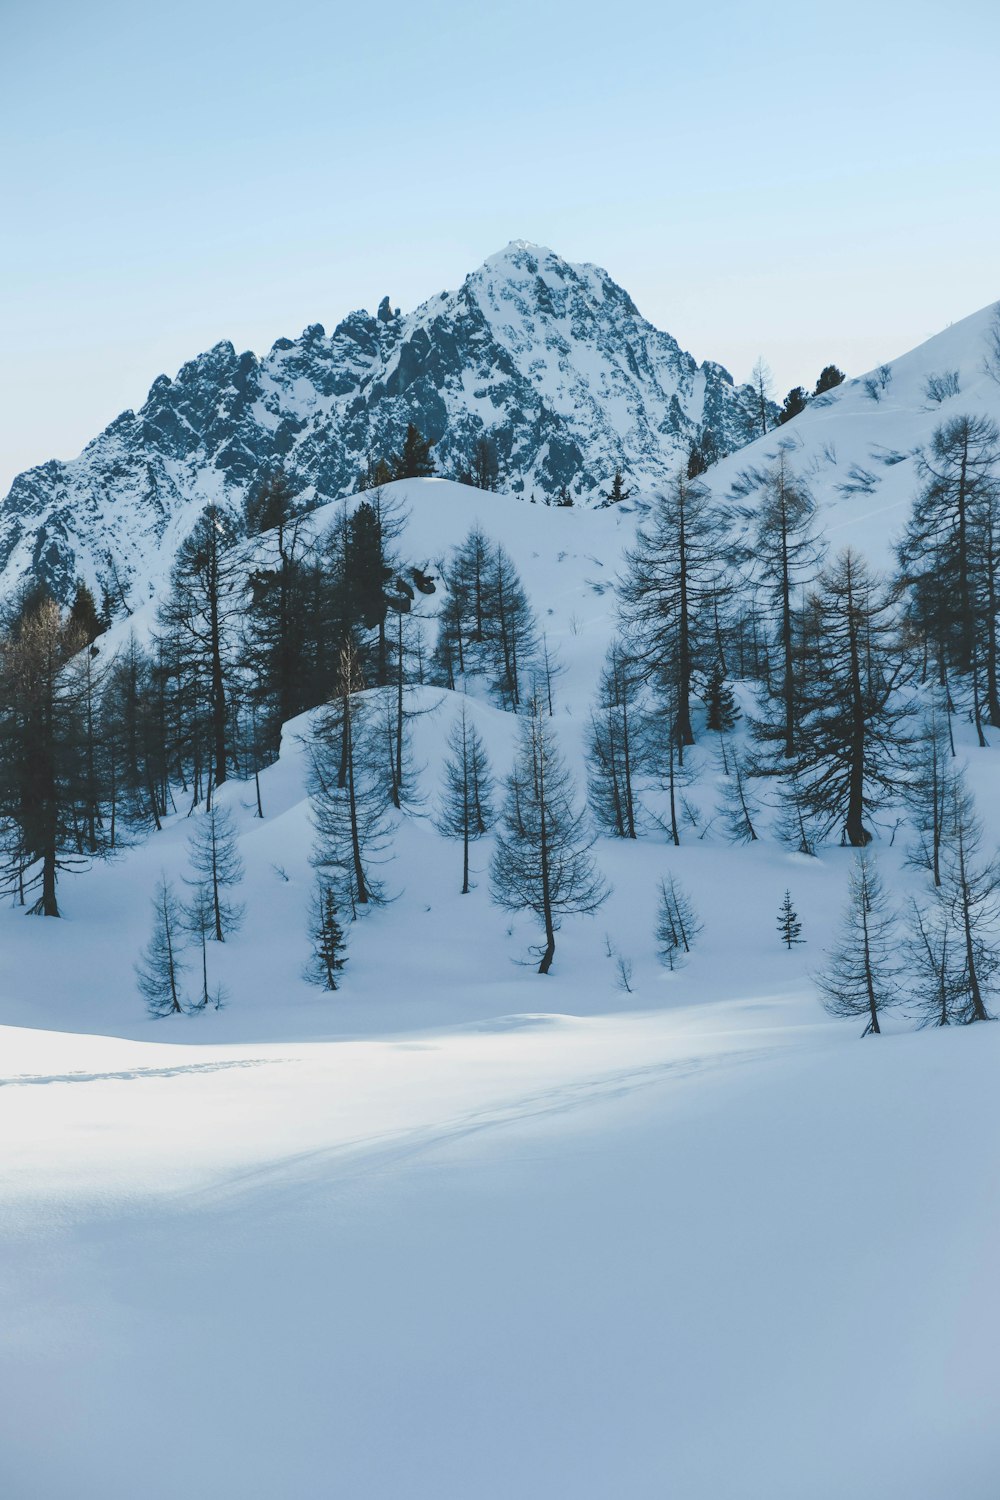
(550, 362)
(460, 1230)
(857, 445)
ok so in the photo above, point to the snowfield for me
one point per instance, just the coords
(460, 1232)
(723, 1251)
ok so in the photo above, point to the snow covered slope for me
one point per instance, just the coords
(552, 361)
(858, 445)
(459, 1230)
(718, 1253)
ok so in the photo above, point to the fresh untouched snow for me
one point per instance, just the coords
(458, 1231)
(721, 1251)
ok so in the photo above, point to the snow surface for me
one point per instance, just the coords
(461, 1231)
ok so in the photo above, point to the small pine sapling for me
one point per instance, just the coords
(677, 926)
(327, 937)
(721, 708)
(789, 926)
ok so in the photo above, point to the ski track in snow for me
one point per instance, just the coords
(128, 1075)
(380, 1151)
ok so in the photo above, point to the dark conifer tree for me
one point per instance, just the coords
(852, 745)
(721, 708)
(970, 897)
(677, 926)
(794, 403)
(549, 670)
(199, 921)
(512, 641)
(789, 926)
(738, 807)
(616, 749)
(619, 490)
(201, 615)
(414, 461)
(484, 471)
(466, 808)
(763, 387)
(486, 625)
(161, 966)
(542, 861)
(932, 776)
(784, 556)
(670, 592)
(44, 782)
(862, 972)
(376, 473)
(828, 378)
(280, 615)
(348, 791)
(947, 554)
(328, 955)
(936, 992)
(216, 864)
(84, 618)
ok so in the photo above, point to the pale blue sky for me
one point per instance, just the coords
(811, 182)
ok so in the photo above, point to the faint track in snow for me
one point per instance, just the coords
(127, 1075)
(349, 1160)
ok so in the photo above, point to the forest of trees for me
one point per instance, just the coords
(847, 684)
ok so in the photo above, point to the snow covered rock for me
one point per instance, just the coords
(552, 361)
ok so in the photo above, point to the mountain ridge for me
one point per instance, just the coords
(551, 361)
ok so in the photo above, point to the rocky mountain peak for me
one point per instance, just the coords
(550, 360)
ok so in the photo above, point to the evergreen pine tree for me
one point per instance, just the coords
(48, 790)
(670, 595)
(414, 462)
(619, 491)
(200, 618)
(852, 744)
(348, 791)
(213, 850)
(862, 972)
(466, 808)
(794, 403)
(784, 555)
(542, 861)
(937, 993)
(721, 709)
(326, 937)
(484, 472)
(198, 916)
(280, 616)
(928, 787)
(84, 619)
(159, 970)
(789, 926)
(677, 926)
(616, 748)
(738, 807)
(829, 377)
(970, 896)
(944, 550)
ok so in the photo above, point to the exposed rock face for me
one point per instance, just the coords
(552, 361)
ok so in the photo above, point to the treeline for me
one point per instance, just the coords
(850, 683)
(98, 748)
(855, 680)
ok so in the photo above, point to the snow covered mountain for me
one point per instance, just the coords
(614, 1212)
(858, 446)
(553, 362)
